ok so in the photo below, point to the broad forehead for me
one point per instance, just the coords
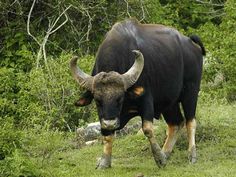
(112, 78)
(106, 84)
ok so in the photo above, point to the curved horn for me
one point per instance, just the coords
(82, 78)
(132, 75)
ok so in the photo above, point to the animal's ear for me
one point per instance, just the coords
(85, 99)
(137, 91)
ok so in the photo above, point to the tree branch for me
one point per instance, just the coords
(28, 22)
(51, 30)
(143, 13)
(127, 8)
(58, 18)
(210, 3)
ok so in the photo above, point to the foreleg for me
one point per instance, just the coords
(105, 160)
(158, 155)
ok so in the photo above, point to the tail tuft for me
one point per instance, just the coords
(198, 41)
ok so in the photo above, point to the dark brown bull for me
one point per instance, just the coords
(144, 70)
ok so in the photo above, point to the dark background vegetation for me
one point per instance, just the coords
(38, 92)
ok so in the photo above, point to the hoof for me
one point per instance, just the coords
(160, 159)
(159, 156)
(192, 157)
(104, 162)
(167, 154)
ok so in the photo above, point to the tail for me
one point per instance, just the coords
(198, 41)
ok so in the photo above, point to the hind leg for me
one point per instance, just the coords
(189, 103)
(174, 121)
(191, 130)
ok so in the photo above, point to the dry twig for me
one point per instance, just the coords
(51, 29)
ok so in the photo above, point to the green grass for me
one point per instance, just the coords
(53, 153)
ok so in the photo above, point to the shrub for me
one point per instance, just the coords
(49, 96)
(220, 61)
(10, 137)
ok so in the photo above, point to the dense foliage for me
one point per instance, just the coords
(36, 87)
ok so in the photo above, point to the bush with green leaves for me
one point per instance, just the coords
(45, 95)
(10, 137)
(50, 93)
(221, 56)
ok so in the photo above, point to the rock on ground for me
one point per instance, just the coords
(87, 135)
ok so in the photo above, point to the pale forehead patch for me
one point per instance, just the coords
(108, 85)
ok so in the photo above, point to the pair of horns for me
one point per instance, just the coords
(129, 78)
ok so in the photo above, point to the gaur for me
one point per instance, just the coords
(144, 70)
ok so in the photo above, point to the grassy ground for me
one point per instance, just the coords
(52, 154)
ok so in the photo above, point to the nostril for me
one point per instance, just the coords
(109, 124)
